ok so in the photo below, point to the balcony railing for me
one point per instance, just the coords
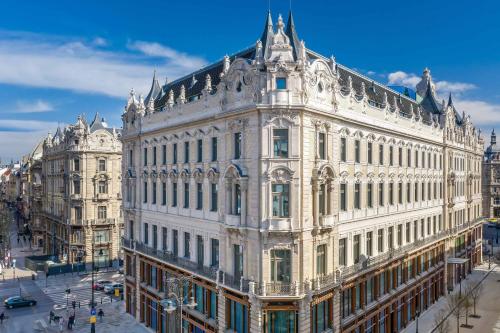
(102, 221)
(171, 258)
(240, 284)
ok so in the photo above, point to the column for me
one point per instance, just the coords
(243, 189)
(315, 188)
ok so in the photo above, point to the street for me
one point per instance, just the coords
(50, 295)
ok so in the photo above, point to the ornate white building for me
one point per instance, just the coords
(300, 195)
(491, 179)
(81, 181)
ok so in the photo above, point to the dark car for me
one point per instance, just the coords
(18, 301)
(99, 285)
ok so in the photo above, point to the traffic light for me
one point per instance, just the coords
(68, 291)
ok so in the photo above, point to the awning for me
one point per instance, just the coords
(457, 261)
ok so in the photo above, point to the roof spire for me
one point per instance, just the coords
(292, 35)
(267, 35)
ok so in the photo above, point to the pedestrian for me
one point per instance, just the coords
(51, 317)
(100, 314)
(61, 324)
(2, 317)
(71, 321)
(17, 239)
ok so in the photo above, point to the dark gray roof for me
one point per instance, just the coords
(155, 90)
(429, 102)
(97, 123)
(292, 34)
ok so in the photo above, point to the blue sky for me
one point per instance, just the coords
(61, 59)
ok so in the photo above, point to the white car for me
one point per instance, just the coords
(110, 288)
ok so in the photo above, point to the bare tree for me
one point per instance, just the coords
(475, 293)
(466, 305)
(441, 322)
(455, 306)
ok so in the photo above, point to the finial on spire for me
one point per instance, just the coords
(170, 101)
(182, 95)
(280, 23)
(208, 83)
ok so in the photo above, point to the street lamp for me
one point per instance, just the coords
(175, 297)
(417, 314)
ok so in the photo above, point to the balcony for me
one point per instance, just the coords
(232, 221)
(101, 221)
(228, 280)
(326, 221)
(169, 257)
(277, 224)
(101, 196)
(76, 196)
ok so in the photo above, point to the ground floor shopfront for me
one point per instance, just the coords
(380, 299)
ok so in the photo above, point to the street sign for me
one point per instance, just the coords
(92, 312)
(117, 292)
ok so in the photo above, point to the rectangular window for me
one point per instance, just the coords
(321, 260)
(281, 199)
(391, 193)
(153, 192)
(102, 212)
(415, 230)
(76, 164)
(155, 236)
(154, 155)
(370, 152)
(164, 238)
(186, 152)
(238, 261)
(145, 199)
(186, 195)
(145, 156)
(200, 251)
(343, 150)
(174, 153)
(369, 195)
(130, 157)
(369, 243)
(343, 197)
(408, 192)
(322, 314)
(175, 242)
(408, 158)
(214, 149)
(237, 320)
(390, 237)
(407, 229)
(280, 83)
(380, 240)
(199, 196)
(102, 165)
(357, 196)
(213, 201)
(400, 234)
(76, 186)
(164, 193)
(400, 156)
(357, 151)
(381, 154)
(174, 194)
(214, 262)
(322, 146)
(103, 187)
(280, 143)
(78, 215)
(400, 193)
(199, 145)
(356, 248)
(342, 251)
(237, 146)
(381, 194)
(416, 159)
(164, 154)
(391, 155)
(146, 233)
(187, 241)
(280, 265)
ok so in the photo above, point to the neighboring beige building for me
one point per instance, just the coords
(31, 208)
(491, 179)
(81, 179)
(299, 195)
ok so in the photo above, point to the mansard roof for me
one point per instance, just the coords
(429, 102)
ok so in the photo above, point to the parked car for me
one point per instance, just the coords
(120, 270)
(110, 288)
(18, 301)
(99, 285)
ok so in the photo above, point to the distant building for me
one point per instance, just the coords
(81, 180)
(491, 179)
(298, 195)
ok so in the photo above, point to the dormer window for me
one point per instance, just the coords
(281, 83)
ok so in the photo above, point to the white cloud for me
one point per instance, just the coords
(22, 136)
(157, 50)
(482, 113)
(442, 87)
(47, 61)
(99, 41)
(33, 106)
(403, 78)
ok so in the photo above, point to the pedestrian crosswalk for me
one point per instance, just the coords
(82, 297)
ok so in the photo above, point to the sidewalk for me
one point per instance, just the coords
(488, 306)
(115, 320)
